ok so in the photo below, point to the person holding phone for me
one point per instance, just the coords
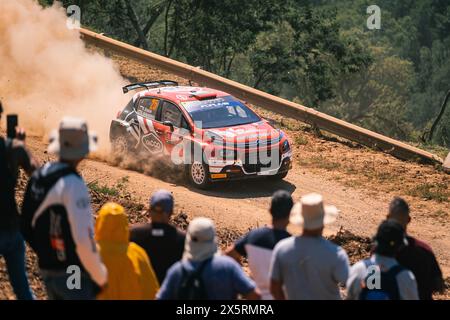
(13, 155)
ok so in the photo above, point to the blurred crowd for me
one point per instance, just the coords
(108, 259)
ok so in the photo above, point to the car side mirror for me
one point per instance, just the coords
(168, 124)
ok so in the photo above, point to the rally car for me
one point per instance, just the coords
(214, 135)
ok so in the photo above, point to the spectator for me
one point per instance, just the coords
(417, 256)
(162, 242)
(57, 216)
(130, 274)
(13, 155)
(260, 242)
(217, 277)
(309, 267)
(395, 282)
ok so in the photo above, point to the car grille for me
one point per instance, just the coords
(254, 162)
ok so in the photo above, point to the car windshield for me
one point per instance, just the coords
(220, 112)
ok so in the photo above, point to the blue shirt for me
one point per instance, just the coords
(223, 278)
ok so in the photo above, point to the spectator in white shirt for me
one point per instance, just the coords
(57, 219)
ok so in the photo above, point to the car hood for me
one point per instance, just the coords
(245, 133)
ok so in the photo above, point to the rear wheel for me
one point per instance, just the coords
(120, 145)
(198, 175)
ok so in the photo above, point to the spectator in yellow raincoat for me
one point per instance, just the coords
(130, 274)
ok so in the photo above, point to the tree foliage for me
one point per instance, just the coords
(317, 52)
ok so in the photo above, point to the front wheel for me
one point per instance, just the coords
(198, 175)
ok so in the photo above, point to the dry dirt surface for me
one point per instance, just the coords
(359, 181)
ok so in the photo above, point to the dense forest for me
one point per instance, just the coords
(320, 53)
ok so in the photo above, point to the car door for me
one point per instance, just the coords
(146, 110)
(169, 112)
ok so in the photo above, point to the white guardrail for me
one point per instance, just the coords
(267, 101)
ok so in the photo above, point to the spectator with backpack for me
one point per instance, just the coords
(203, 274)
(381, 277)
(416, 256)
(257, 245)
(57, 218)
(130, 274)
(163, 242)
(13, 155)
(309, 267)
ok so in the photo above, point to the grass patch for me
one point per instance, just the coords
(440, 214)
(103, 189)
(431, 191)
(300, 140)
(115, 190)
(123, 182)
(323, 163)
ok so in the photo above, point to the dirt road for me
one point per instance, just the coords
(243, 205)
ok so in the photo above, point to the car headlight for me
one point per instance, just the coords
(285, 147)
(226, 153)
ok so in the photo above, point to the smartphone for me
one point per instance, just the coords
(12, 121)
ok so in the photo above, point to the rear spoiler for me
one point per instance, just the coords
(149, 85)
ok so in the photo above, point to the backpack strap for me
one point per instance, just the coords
(198, 271)
(395, 270)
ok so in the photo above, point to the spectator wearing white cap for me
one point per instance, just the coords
(57, 217)
(309, 267)
(203, 273)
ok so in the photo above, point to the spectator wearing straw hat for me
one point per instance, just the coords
(57, 219)
(309, 267)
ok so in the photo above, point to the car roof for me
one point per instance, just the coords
(180, 94)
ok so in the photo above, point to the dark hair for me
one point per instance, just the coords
(1, 107)
(390, 238)
(399, 206)
(281, 205)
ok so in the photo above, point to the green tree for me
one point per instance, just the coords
(210, 33)
(377, 97)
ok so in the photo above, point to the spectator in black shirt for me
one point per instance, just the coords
(163, 242)
(265, 238)
(13, 155)
(417, 256)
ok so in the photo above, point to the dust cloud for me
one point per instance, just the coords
(46, 72)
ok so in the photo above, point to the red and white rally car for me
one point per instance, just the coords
(214, 135)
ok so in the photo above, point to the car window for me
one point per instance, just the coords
(170, 112)
(147, 107)
(220, 112)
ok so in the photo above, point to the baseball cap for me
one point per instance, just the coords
(162, 199)
(390, 237)
(281, 204)
(72, 141)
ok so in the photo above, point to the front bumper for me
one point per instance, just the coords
(236, 170)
